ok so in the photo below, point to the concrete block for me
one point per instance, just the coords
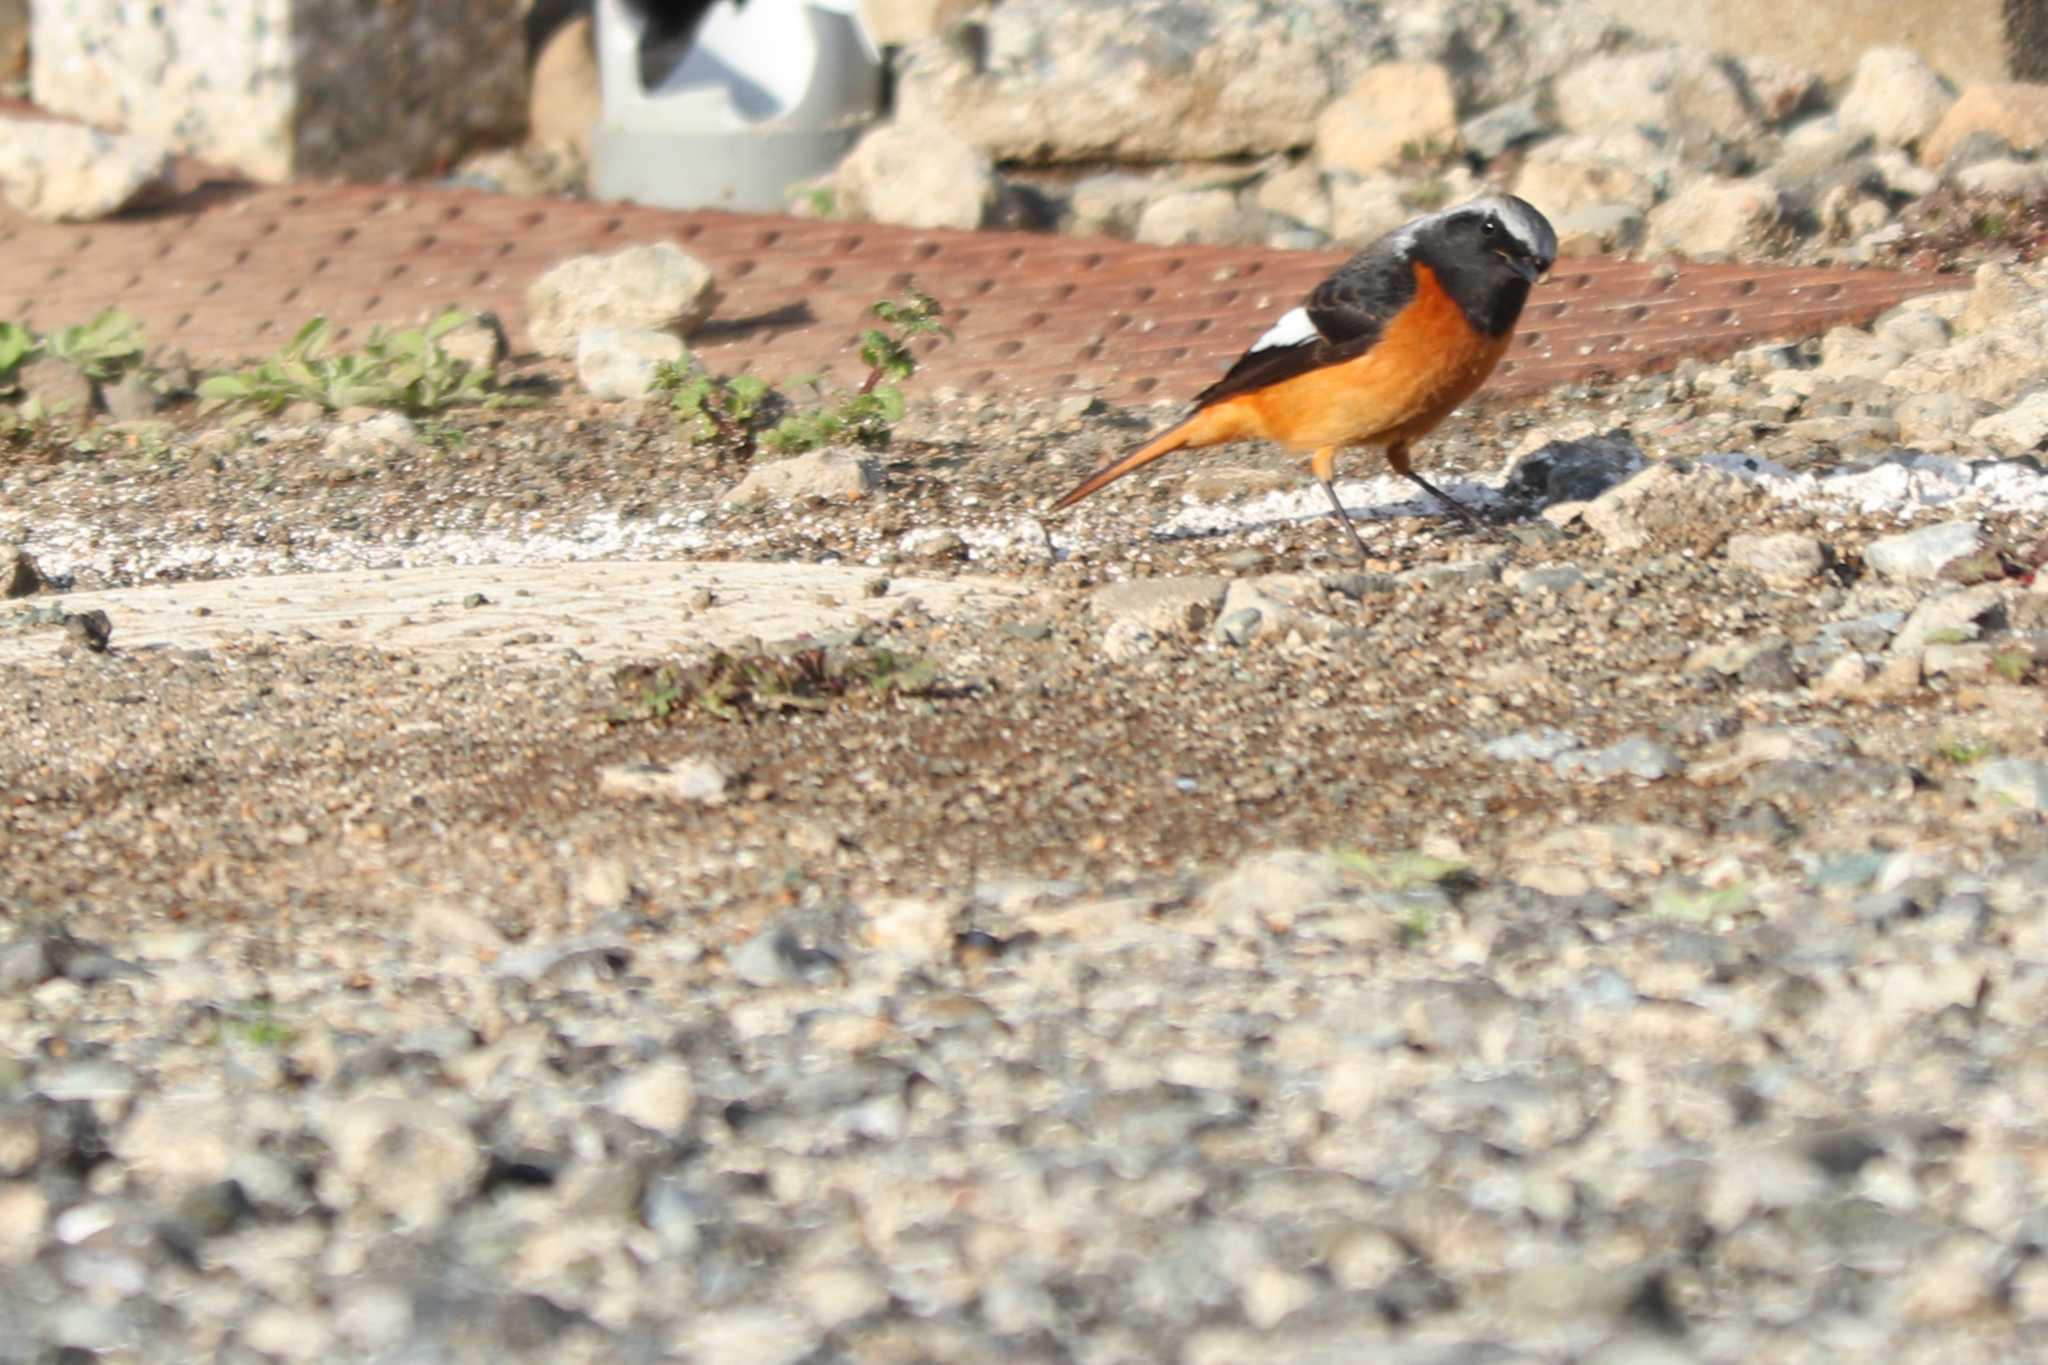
(283, 88)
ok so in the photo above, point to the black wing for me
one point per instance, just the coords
(1349, 309)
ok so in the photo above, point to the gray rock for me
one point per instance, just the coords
(45, 954)
(776, 956)
(89, 630)
(1594, 229)
(288, 1333)
(1189, 216)
(479, 343)
(658, 1096)
(1899, 174)
(1164, 606)
(1240, 627)
(1938, 417)
(67, 173)
(1297, 194)
(1695, 95)
(2014, 110)
(131, 398)
(1635, 756)
(1998, 292)
(1453, 576)
(1779, 89)
(616, 363)
(1769, 670)
(1574, 471)
(1853, 353)
(1539, 746)
(1913, 330)
(1550, 579)
(1980, 146)
(1280, 602)
(1970, 660)
(1845, 434)
(21, 1140)
(175, 1144)
(2003, 178)
(1952, 618)
(921, 175)
(1109, 204)
(1125, 639)
(2020, 429)
(24, 1222)
(1393, 114)
(1266, 891)
(657, 286)
(1366, 208)
(1617, 166)
(412, 1159)
(1895, 97)
(58, 387)
(1918, 555)
(1818, 155)
(829, 473)
(91, 1081)
(371, 439)
(1868, 633)
(1783, 560)
(2020, 782)
(1488, 134)
(438, 922)
(1716, 219)
(684, 781)
(1667, 498)
(748, 1335)
(24, 577)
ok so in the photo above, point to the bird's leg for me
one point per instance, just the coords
(1397, 456)
(1323, 464)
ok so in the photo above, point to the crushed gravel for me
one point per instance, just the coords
(1616, 936)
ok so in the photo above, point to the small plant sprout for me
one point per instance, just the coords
(744, 687)
(736, 416)
(406, 370)
(101, 350)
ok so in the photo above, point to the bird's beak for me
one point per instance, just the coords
(1524, 267)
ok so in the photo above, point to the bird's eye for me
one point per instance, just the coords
(1491, 227)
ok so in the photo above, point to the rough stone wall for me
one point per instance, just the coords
(1965, 40)
(282, 88)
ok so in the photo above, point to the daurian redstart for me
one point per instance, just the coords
(1381, 352)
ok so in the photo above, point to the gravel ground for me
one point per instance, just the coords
(1616, 936)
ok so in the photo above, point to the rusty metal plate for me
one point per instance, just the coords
(228, 272)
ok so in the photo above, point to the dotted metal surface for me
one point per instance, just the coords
(228, 272)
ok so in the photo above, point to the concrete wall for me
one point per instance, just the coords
(1965, 40)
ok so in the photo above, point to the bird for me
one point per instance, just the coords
(1379, 353)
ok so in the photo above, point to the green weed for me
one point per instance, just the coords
(407, 371)
(1963, 752)
(103, 349)
(740, 415)
(742, 687)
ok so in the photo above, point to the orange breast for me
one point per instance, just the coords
(1427, 361)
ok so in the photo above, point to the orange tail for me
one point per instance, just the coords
(1204, 428)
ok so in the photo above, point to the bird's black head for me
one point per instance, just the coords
(1487, 252)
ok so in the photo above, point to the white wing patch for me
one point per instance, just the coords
(1293, 328)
